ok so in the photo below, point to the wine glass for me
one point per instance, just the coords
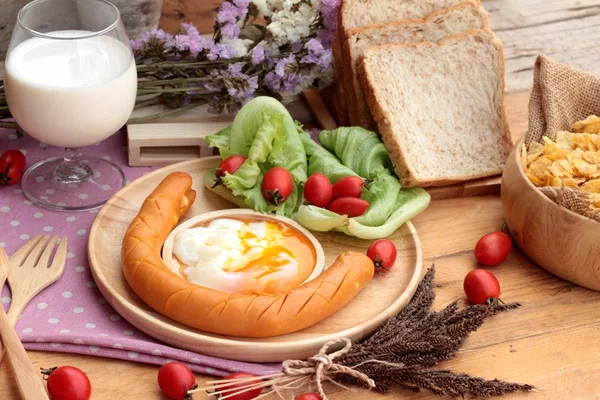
(70, 81)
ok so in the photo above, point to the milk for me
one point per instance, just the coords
(71, 93)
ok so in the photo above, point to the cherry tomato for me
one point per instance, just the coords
(229, 165)
(309, 396)
(277, 185)
(175, 379)
(481, 287)
(350, 206)
(318, 190)
(383, 254)
(493, 248)
(250, 394)
(67, 383)
(12, 167)
(348, 186)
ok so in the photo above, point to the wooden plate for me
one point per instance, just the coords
(384, 297)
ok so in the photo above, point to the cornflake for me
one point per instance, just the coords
(571, 160)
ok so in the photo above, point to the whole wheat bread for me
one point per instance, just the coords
(359, 13)
(439, 107)
(434, 28)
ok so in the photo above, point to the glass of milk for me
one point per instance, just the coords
(71, 82)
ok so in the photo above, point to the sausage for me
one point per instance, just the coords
(213, 311)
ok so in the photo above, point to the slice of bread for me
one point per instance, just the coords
(439, 107)
(434, 28)
(360, 13)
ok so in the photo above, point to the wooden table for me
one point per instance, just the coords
(552, 341)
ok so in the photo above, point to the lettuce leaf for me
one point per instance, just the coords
(220, 140)
(321, 160)
(381, 195)
(359, 149)
(409, 203)
(319, 219)
(264, 132)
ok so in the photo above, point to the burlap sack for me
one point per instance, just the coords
(562, 95)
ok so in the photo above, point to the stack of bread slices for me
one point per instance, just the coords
(428, 75)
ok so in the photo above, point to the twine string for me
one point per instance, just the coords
(321, 366)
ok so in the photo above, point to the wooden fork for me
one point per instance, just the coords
(28, 379)
(31, 272)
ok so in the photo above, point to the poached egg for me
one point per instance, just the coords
(244, 256)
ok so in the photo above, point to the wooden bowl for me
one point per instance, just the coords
(557, 239)
(169, 259)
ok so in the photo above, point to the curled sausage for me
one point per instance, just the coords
(218, 312)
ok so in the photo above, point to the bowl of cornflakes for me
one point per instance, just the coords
(551, 201)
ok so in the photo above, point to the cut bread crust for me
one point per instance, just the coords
(455, 140)
(360, 13)
(465, 16)
(341, 111)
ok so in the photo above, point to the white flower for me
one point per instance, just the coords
(292, 22)
(262, 6)
(240, 46)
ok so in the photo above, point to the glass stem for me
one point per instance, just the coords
(72, 169)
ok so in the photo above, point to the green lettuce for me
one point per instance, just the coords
(321, 160)
(381, 195)
(409, 203)
(265, 133)
(359, 149)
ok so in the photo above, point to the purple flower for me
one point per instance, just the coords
(157, 34)
(329, 10)
(258, 55)
(230, 31)
(239, 86)
(182, 42)
(136, 44)
(228, 13)
(191, 30)
(280, 68)
(325, 60)
(220, 51)
(314, 46)
(232, 11)
(296, 47)
(285, 77)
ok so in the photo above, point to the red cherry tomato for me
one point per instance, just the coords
(229, 165)
(12, 167)
(350, 206)
(493, 248)
(309, 396)
(175, 379)
(67, 383)
(318, 190)
(481, 287)
(277, 185)
(250, 394)
(349, 186)
(383, 254)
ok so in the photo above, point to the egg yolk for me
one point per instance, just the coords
(245, 256)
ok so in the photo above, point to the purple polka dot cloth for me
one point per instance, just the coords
(71, 315)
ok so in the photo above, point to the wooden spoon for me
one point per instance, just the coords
(28, 379)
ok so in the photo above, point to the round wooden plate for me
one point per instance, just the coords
(383, 298)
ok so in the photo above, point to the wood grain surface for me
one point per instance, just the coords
(564, 29)
(379, 301)
(551, 342)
